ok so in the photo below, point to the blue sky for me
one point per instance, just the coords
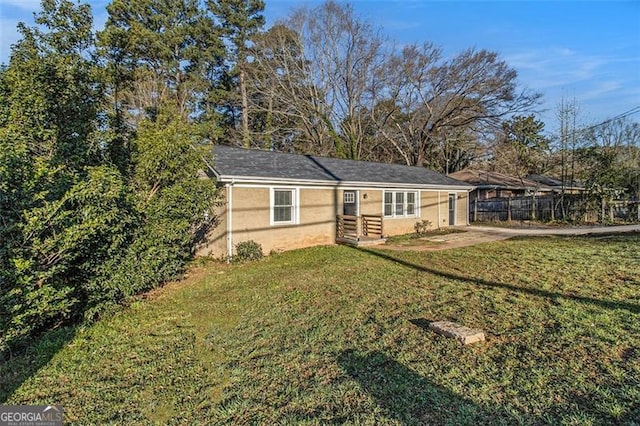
(587, 50)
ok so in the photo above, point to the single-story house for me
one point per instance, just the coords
(490, 184)
(285, 201)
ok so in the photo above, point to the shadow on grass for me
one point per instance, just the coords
(607, 304)
(18, 367)
(422, 323)
(410, 398)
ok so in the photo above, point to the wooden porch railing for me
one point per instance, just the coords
(347, 227)
(372, 225)
(354, 227)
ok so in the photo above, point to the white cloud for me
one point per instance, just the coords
(399, 25)
(557, 66)
(565, 51)
(604, 88)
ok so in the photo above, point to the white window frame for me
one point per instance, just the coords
(384, 203)
(353, 197)
(416, 204)
(295, 208)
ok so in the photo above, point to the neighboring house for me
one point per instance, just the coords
(557, 186)
(498, 185)
(285, 201)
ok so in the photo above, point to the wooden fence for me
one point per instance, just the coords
(569, 207)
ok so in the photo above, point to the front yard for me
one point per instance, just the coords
(338, 334)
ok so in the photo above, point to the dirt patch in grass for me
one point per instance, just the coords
(442, 241)
(430, 238)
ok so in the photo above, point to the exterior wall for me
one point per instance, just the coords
(462, 209)
(215, 242)
(251, 221)
(444, 209)
(317, 217)
(429, 207)
(372, 205)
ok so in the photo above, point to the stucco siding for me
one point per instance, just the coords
(462, 209)
(372, 205)
(429, 207)
(444, 209)
(316, 217)
(215, 241)
(251, 219)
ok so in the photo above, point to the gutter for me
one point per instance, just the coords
(340, 184)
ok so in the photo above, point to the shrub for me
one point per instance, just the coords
(422, 227)
(248, 250)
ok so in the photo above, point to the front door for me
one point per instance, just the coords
(350, 203)
(452, 209)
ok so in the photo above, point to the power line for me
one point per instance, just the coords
(622, 115)
(628, 113)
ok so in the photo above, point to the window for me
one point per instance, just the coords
(388, 204)
(283, 202)
(411, 203)
(349, 197)
(400, 204)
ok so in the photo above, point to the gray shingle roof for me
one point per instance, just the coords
(248, 163)
(489, 179)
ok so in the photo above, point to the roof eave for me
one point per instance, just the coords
(313, 182)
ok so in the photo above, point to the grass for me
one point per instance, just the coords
(338, 335)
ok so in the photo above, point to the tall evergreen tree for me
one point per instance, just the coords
(521, 149)
(239, 21)
(159, 51)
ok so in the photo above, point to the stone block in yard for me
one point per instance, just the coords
(464, 335)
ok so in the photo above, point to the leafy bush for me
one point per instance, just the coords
(247, 251)
(64, 243)
(105, 238)
(91, 211)
(422, 227)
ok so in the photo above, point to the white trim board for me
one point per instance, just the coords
(342, 185)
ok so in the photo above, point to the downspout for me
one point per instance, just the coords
(229, 221)
(439, 222)
(468, 206)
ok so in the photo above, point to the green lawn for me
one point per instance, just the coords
(337, 334)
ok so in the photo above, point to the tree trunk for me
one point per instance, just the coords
(246, 139)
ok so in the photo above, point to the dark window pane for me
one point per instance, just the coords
(399, 203)
(282, 214)
(283, 198)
